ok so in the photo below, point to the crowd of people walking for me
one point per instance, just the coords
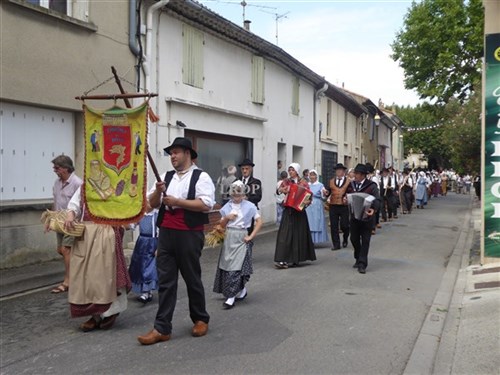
(171, 233)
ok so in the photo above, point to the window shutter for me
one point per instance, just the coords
(192, 56)
(258, 79)
(295, 96)
(80, 9)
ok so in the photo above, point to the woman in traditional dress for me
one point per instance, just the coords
(436, 184)
(316, 211)
(142, 269)
(444, 183)
(421, 192)
(294, 243)
(98, 273)
(235, 260)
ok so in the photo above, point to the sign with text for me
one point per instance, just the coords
(492, 147)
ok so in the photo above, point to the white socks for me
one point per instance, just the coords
(242, 293)
(230, 301)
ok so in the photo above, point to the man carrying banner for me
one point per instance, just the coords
(183, 198)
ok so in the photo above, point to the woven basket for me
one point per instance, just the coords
(55, 221)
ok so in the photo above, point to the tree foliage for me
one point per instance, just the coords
(440, 46)
(456, 142)
(462, 133)
(428, 142)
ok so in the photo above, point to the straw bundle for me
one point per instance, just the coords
(55, 221)
(215, 237)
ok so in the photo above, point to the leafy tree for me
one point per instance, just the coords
(428, 142)
(462, 133)
(439, 48)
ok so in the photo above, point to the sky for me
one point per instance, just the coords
(348, 42)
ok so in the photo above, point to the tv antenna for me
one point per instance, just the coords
(244, 4)
(277, 18)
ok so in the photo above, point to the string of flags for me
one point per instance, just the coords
(429, 127)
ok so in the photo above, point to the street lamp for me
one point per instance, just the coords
(376, 117)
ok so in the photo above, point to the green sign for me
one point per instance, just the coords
(492, 147)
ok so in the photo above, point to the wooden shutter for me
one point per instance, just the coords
(295, 96)
(192, 56)
(258, 79)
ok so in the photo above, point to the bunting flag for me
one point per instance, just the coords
(114, 189)
(428, 127)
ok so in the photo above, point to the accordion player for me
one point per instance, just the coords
(359, 203)
(298, 197)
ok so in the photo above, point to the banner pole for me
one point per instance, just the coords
(128, 105)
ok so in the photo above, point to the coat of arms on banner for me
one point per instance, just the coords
(115, 164)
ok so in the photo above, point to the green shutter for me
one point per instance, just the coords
(192, 56)
(295, 96)
(258, 79)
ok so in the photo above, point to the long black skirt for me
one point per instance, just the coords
(294, 243)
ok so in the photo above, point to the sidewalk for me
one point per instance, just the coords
(461, 334)
(43, 275)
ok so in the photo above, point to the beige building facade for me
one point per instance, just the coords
(51, 52)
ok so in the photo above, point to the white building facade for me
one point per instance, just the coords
(235, 97)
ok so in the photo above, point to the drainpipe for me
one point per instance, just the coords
(132, 28)
(317, 96)
(146, 64)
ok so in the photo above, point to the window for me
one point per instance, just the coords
(345, 125)
(258, 79)
(218, 152)
(73, 8)
(295, 96)
(329, 119)
(328, 162)
(192, 56)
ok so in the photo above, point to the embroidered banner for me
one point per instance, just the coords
(491, 147)
(115, 164)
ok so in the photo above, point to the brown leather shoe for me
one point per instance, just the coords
(152, 337)
(199, 329)
(108, 322)
(89, 325)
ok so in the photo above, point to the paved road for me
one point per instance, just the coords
(321, 318)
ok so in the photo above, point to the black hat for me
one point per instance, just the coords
(361, 168)
(369, 168)
(340, 166)
(246, 162)
(185, 143)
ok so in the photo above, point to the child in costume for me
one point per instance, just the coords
(142, 268)
(235, 260)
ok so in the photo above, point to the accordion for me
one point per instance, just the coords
(297, 198)
(359, 203)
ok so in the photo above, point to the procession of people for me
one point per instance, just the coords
(354, 204)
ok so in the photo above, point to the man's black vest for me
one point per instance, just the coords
(191, 218)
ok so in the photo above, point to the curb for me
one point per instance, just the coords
(425, 350)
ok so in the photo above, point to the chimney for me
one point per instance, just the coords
(246, 24)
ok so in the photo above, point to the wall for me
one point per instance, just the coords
(46, 62)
